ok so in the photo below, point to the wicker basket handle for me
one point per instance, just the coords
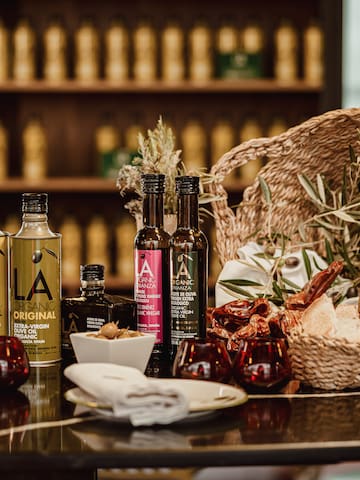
(320, 142)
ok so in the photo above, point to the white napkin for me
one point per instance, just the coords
(130, 393)
(245, 267)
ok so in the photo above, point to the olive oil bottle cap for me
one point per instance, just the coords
(153, 183)
(92, 272)
(187, 185)
(34, 203)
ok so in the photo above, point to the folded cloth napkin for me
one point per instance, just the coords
(130, 393)
(246, 266)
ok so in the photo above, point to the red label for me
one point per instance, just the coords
(148, 292)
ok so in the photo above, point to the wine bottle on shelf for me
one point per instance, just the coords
(286, 67)
(201, 66)
(222, 140)
(144, 38)
(24, 51)
(98, 242)
(71, 247)
(125, 232)
(117, 51)
(193, 139)
(4, 152)
(314, 53)
(55, 45)
(35, 150)
(172, 50)
(189, 266)
(4, 52)
(152, 275)
(87, 51)
(35, 282)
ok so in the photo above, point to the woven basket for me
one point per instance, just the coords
(325, 363)
(318, 145)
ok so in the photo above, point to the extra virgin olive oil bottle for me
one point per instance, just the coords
(4, 283)
(189, 266)
(152, 275)
(35, 282)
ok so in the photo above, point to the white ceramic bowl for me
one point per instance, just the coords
(130, 352)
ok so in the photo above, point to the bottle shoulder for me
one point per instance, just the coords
(187, 236)
(152, 238)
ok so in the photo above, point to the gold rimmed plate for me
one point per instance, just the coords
(203, 396)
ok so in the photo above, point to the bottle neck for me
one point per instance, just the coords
(92, 289)
(153, 210)
(188, 211)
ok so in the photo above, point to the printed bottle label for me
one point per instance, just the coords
(35, 294)
(184, 296)
(148, 292)
(4, 283)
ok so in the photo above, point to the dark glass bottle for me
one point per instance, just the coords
(152, 275)
(189, 266)
(93, 308)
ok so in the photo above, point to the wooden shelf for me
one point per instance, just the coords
(60, 184)
(258, 85)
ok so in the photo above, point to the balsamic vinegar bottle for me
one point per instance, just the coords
(189, 266)
(93, 308)
(35, 282)
(152, 275)
(87, 312)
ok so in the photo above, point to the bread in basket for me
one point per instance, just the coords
(318, 145)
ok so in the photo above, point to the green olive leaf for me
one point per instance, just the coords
(265, 190)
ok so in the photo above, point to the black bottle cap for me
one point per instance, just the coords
(187, 185)
(153, 182)
(34, 203)
(92, 272)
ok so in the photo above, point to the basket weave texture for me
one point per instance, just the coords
(324, 362)
(318, 145)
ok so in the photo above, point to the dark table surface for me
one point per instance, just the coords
(307, 428)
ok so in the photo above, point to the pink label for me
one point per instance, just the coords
(148, 292)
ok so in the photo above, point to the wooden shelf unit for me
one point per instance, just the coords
(71, 111)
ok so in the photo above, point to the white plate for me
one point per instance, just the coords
(203, 396)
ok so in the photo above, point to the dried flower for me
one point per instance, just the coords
(157, 154)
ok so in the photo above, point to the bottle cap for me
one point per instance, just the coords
(92, 272)
(34, 203)
(153, 182)
(187, 185)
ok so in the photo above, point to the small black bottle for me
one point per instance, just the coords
(189, 266)
(93, 308)
(152, 275)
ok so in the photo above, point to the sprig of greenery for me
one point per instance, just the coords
(337, 218)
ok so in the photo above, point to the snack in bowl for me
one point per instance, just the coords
(120, 346)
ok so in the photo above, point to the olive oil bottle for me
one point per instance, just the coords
(35, 282)
(4, 283)
(189, 266)
(152, 275)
